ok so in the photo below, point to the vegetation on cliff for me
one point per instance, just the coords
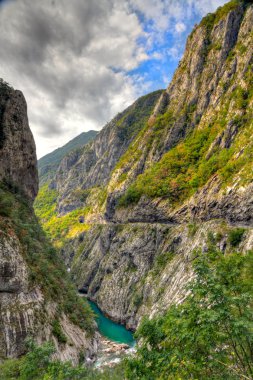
(123, 128)
(187, 167)
(46, 269)
(217, 144)
(57, 228)
(38, 364)
(200, 135)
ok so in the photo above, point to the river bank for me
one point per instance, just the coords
(111, 353)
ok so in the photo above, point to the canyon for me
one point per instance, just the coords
(163, 180)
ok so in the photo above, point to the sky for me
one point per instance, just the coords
(80, 62)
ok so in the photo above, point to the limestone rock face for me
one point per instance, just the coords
(137, 269)
(24, 311)
(211, 70)
(18, 163)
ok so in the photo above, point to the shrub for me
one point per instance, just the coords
(38, 364)
(5, 203)
(161, 261)
(132, 196)
(57, 331)
(235, 236)
(192, 229)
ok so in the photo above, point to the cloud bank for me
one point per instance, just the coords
(80, 62)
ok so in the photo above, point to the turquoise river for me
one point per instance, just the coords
(110, 329)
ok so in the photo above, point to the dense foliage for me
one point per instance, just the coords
(210, 335)
(213, 18)
(58, 228)
(38, 365)
(131, 121)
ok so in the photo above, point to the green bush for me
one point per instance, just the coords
(37, 364)
(161, 261)
(57, 332)
(5, 204)
(192, 229)
(131, 196)
(235, 236)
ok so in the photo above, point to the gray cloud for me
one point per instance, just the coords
(72, 58)
(62, 53)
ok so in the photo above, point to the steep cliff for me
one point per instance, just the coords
(37, 299)
(182, 181)
(18, 164)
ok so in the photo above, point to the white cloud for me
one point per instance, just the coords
(70, 58)
(174, 53)
(180, 27)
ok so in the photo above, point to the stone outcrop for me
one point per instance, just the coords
(25, 313)
(18, 163)
(210, 71)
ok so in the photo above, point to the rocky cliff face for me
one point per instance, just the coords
(132, 270)
(18, 163)
(181, 183)
(48, 165)
(29, 274)
(25, 311)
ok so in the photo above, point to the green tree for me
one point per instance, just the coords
(37, 364)
(210, 335)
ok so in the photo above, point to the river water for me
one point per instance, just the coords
(111, 330)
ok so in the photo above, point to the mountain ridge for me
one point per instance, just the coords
(48, 164)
